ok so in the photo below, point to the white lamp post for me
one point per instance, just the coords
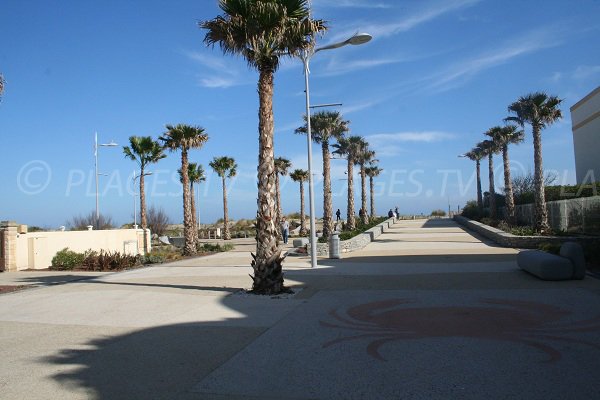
(111, 144)
(357, 39)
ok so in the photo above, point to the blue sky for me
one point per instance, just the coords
(435, 76)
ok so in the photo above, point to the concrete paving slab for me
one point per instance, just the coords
(424, 345)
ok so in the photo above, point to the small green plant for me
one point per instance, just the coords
(214, 247)
(66, 259)
(438, 213)
(549, 247)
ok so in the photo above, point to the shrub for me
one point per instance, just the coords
(80, 223)
(553, 248)
(214, 247)
(471, 210)
(157, 220)
(66, 259)
(108, 261)
(438, 213)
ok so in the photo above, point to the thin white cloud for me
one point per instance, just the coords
(584, 72)
(338, 68)
(352, 4)
(403, 137)
(380, 31)
(223, 74)
(460, 73)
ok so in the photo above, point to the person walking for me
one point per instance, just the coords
(390, 214)
(285, 230)
(338, 214)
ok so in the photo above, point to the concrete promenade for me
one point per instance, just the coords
(427, 311)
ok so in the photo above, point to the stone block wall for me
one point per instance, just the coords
(506, 239)
(357, 242)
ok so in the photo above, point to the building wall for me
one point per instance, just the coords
(35, 250)
(585, 118)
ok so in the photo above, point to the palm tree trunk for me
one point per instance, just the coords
(267, 262)
(372, 189)
(327, 202)
(510, 201)
(189, 247)
(226, 234)
(278, 210)
(541, 213)
(193, 210)
(302, 222)
(143, 217)
(479, 195)
(351, 220)
(363, 194)
(492, 187)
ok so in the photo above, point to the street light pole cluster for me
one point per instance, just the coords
(359, 38)
(96, 145)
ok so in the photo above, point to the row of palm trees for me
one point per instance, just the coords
(145, 151)
(538, 110)
(327, 126)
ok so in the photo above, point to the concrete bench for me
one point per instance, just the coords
(570, 264)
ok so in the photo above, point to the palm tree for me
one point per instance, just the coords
(282, 166)
(2, 83)
(372, 171)
(350, 147)
(195, 175)
(262, 32)
(185, 137)
(538, 110)
(490, 148)
(476, 154)
(326, 125)
(225, 167)
(503, 136)
(301, 176)
(144, 151)
(364, 157)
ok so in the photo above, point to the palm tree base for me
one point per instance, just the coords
(268, 276)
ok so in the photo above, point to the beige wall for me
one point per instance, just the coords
(35, 250)
(585, 117)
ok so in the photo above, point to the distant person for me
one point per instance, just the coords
(390, 213)
(285, 230)
(397, 212)
(338, 214)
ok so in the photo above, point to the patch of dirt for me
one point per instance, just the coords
(13, 288)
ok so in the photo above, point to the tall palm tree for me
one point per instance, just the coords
(195, 175)
(490, 148)
(225, 167)
(476, 154)
(282, 166)
(325, 126)
(364, 157)
(143, 150)
(372, 171)
(185, 137)
(503, 136)
(301, 176)
(538, 110)
(350, 147)
(262, 31)
(2, 83)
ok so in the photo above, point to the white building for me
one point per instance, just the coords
(585, 117)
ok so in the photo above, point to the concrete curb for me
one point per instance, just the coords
(357, 242)
(505, 239)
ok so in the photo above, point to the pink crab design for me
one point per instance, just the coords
(524, 322)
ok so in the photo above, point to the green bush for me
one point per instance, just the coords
(214, 247)
(66, 259)
(438, 213)
(108, 261)
(553, 248)
(472, 211)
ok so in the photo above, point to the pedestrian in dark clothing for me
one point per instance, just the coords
(390, 214)
(338, 214)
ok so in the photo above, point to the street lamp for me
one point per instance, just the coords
(111, 144)
(359, 38)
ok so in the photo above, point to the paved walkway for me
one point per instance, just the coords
(427, 311)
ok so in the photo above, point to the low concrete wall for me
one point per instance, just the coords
(505, 239)
(357, 242)
(35, 250)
